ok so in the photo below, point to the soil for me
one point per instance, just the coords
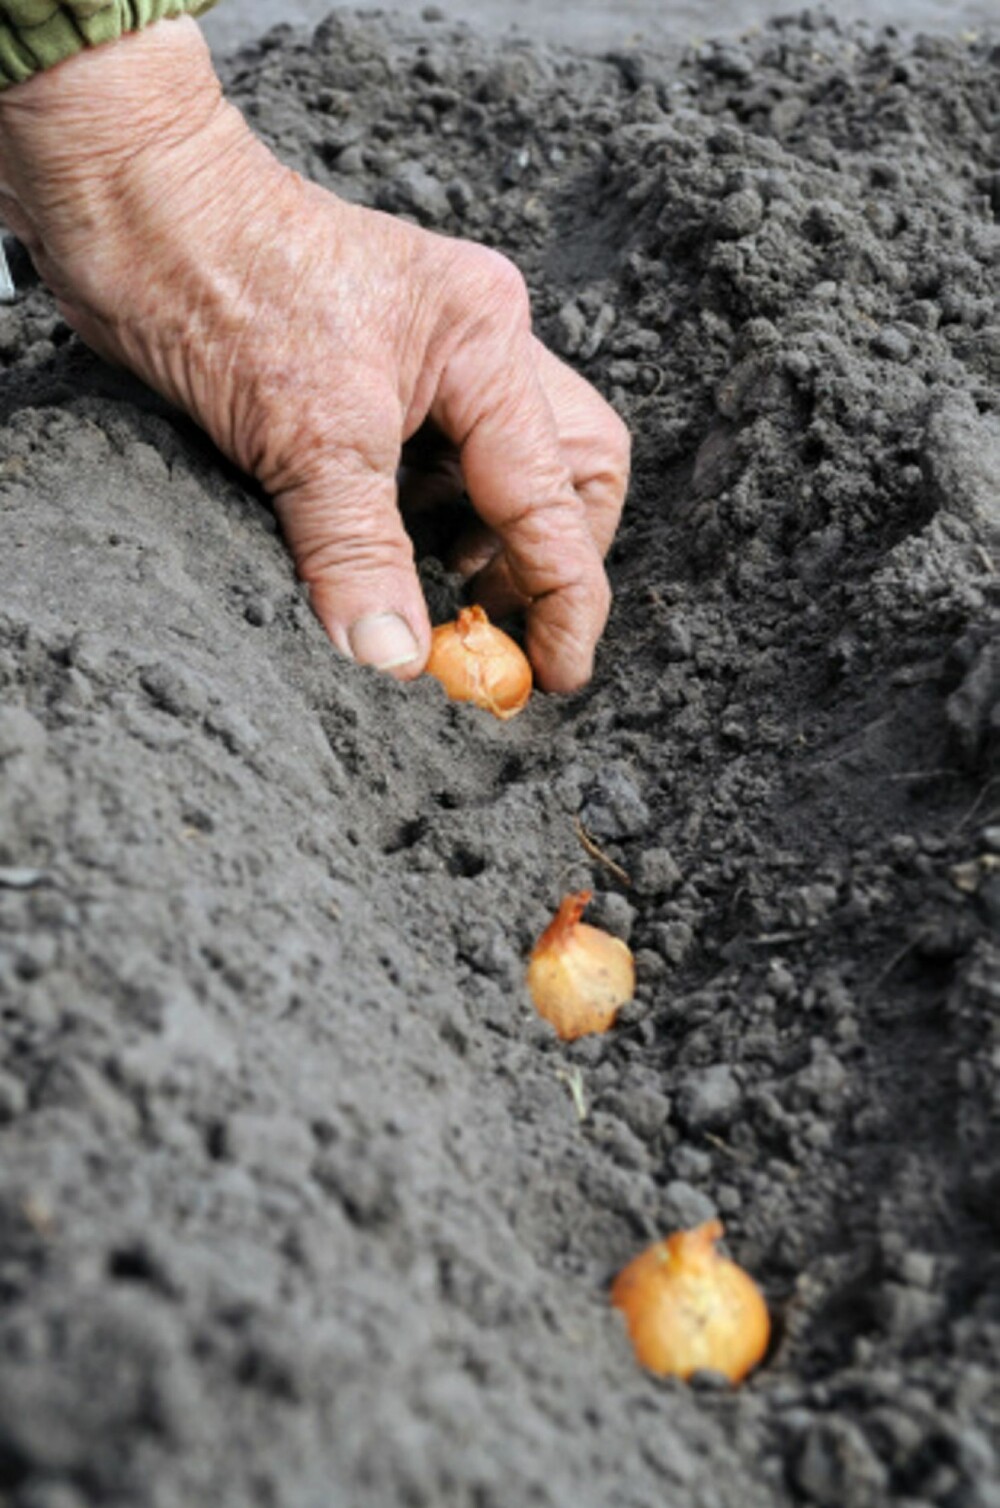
(300, 1203)
(597, 25)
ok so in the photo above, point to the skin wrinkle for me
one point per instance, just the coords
(268, 390)
(529, 586)
(536, 582)
(314, 441)
(345, 461)
(29, 115)
(487, 323)
(549, 494)
(355, 552)
(419, 379)
(412, 316)
(543, 563)
(549, 500)
(149, 324)
(597, 472)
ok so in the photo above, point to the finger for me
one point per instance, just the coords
(596, 448)
(596, 445)
(491, 402)
(521, 489)
(344, 529)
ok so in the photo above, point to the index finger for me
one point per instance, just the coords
(492, 404)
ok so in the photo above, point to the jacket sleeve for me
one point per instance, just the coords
(36, 34)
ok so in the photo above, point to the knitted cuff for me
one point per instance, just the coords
(36, 34)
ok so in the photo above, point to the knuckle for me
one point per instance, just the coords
(507, 282)
(352, 554)
(612, 447)
(598, 593)
(606, 598)
(339, 521)
(294, 438)
(619, 443)
(606, 479)
(591, 593)
(500, 283)
(549, 524)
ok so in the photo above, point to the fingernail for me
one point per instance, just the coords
(384, 640)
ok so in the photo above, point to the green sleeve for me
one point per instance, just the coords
(35, 34)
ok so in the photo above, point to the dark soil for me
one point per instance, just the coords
(296, 1208)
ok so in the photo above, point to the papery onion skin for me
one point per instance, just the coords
(477, 662)
(689, 1309)
(579, 977)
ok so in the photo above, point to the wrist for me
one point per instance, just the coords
(82, 121)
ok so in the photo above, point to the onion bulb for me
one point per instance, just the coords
(689, 1309)
(476, 662)
(579, 977)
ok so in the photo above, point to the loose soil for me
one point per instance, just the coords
(597, 25)
(300, 1204)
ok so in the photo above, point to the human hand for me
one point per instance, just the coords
(311, 339)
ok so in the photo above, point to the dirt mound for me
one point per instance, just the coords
(296, 1207)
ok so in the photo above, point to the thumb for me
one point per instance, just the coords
(343, 527)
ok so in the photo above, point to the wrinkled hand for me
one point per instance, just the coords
(311, 339)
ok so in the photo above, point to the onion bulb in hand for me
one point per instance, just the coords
(579, 977)
(689, 1309)
(478, 663)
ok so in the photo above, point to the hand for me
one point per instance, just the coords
(312, 339)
